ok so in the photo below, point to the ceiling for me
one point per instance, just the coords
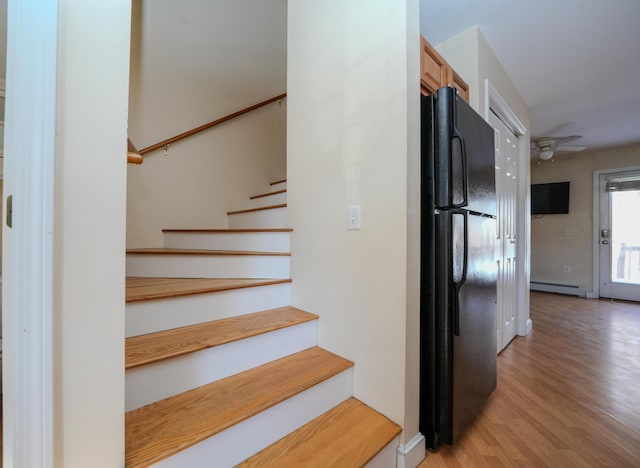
(576, 63)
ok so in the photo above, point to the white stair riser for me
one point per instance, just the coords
(208, 266)
(251, 241)
(387, 457)
(239, 442)
(273, 218)
(269, 200)
(154, 382)
(280, 186)
(163, 314)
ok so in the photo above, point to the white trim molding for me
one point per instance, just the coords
(32, 41)
(412, 453)
(494, 101)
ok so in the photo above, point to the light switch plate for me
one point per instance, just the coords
(353, 217)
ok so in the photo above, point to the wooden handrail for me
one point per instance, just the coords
(133, 156)
(182, 136)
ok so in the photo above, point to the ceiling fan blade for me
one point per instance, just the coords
(570, 148)
(562, 140)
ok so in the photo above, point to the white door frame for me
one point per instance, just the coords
(596, 225)
(28, 259)
(496, 103)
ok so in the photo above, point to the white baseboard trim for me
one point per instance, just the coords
(558, 288)
(412, 453)
(592, 295)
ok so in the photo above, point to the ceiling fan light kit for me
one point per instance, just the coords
(545, 154)
(544, 147)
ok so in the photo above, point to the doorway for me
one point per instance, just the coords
(618, 238)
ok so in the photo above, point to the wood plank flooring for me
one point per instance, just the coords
(568, 394)
(202, 252)
(228, 231)
(154, 347)
(157, 431)
(144, 289)
(262, 195)
(349, 435)
(262, 208)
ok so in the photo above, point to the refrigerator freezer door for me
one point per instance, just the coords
(474, 349)
(465, 160)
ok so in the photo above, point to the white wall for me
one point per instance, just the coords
(550, 248)
(89, 236)
(192, 62)
(348, 143)
(472, 57)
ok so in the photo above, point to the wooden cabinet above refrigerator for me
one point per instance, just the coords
(435, 72)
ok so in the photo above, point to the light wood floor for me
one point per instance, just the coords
(568, 394)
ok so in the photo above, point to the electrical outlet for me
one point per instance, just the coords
(566, 269)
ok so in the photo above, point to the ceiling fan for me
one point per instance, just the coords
(544, 147)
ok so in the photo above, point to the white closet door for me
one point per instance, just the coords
(506, 188)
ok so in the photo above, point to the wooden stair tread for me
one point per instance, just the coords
(250, 210)
(277, 192)
(153, 347)
(347, 436)
(230, 231)
(144, 289)
(161, 429)
(278, 182)
(164, 251)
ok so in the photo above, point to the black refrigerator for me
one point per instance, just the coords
(458, 267)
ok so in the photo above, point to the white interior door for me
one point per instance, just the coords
(507, 195)
(620, 235)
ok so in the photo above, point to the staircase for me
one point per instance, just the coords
(221, 371)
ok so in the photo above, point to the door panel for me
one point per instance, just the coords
(619, 236)
(474, 354)
(507, 196)
(462, 131)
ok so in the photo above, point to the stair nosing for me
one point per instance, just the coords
(278, 182)
(254, 282)
(168, 435)
(267, 194)
(205, 252)
(230, 231)
(150, 346)
(262, 208)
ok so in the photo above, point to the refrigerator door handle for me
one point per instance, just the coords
(463, 165)
(457, 285)
(456, 135)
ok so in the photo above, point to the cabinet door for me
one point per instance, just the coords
(432, 68)
(454, 80)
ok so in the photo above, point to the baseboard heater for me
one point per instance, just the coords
(558, 288)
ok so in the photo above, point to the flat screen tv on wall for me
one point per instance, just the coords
(552, 198)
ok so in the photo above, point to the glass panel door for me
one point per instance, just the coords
(620, 236)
